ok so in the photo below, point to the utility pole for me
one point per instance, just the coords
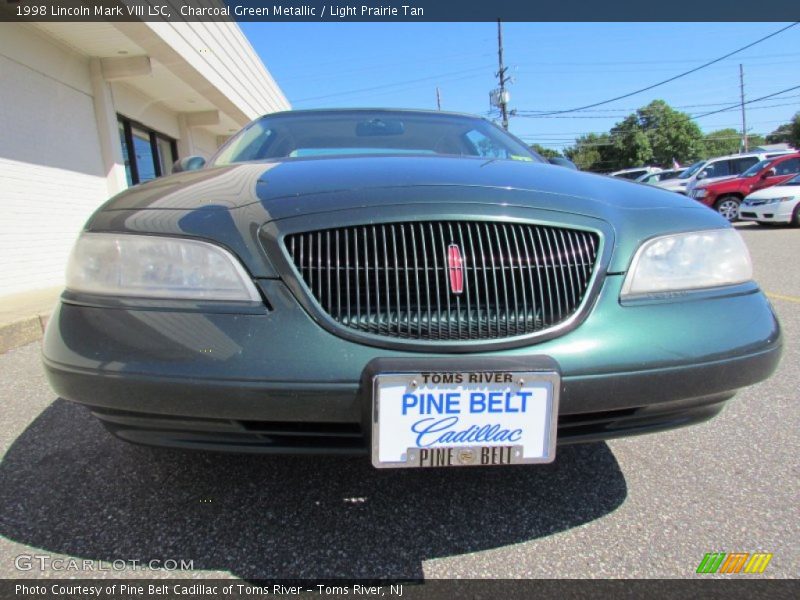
(438, 99)
(501, 74)
(744, 119)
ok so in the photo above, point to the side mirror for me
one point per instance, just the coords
(702, 175)
(768, 173)
(190, 163)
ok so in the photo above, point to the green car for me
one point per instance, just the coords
(414, 286)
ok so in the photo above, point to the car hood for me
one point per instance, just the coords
(727, 184)
(776, 191)
(707, 181)
(291, 187)
(231, 204)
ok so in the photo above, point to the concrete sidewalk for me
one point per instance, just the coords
(23, 317)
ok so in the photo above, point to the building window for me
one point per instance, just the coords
(147, 153)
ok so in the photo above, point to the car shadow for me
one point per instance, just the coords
(69, 487)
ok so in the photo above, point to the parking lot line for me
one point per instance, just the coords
(782, 297)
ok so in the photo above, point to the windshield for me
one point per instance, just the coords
(793, 181)
(371, 132)
(691, 170)
(756, 168)
(631, 174)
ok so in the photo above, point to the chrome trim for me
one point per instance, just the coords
(273, 235)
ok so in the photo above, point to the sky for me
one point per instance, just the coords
(555, 66)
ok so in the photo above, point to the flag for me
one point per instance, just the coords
(675, 163)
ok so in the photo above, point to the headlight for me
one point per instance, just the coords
(687, 261)
(782, 199)
(149, 266)
(699, 193)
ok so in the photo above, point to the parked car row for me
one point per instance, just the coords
(635, 173)
(665, 175)
(724, 182)
(726, 194)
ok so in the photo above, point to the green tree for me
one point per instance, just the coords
(755, 139)
(590, 152)
(794, 140)
(654, 134)
(630, 144)
(729, 141)
(670, 133)
(781, 135)
(788, 133)
(545, 152)
(722, 141)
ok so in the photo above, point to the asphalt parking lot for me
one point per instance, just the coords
(649, 506)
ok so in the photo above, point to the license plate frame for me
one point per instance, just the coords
(550, 379)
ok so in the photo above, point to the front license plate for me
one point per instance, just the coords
(452, 419)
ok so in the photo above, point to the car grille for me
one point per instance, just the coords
(402, 280)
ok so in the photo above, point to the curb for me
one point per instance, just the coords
(22, 332)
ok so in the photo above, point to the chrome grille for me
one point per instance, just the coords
(397, 279)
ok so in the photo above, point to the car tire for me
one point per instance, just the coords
(796, 216)
(728, 207)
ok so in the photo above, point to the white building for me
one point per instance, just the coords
(87, 109)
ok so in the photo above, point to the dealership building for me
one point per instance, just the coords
(88, 109)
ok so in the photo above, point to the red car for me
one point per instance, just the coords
(725, 196)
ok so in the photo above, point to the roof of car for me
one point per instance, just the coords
(741, 155)
(632, 169)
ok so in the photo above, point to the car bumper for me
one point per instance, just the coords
(780, 212)
(277, 382)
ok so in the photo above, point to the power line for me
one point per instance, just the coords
(731, 136)
(568, 140)
(652, 62)
(395, 84)
(684, 74)
(415, 86)
(542, 71)
(693, 117)
(593, 144)
(621, 115)
(332, 67)
(735, 106)
(534, 112)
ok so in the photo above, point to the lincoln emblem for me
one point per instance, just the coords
(455, 266)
